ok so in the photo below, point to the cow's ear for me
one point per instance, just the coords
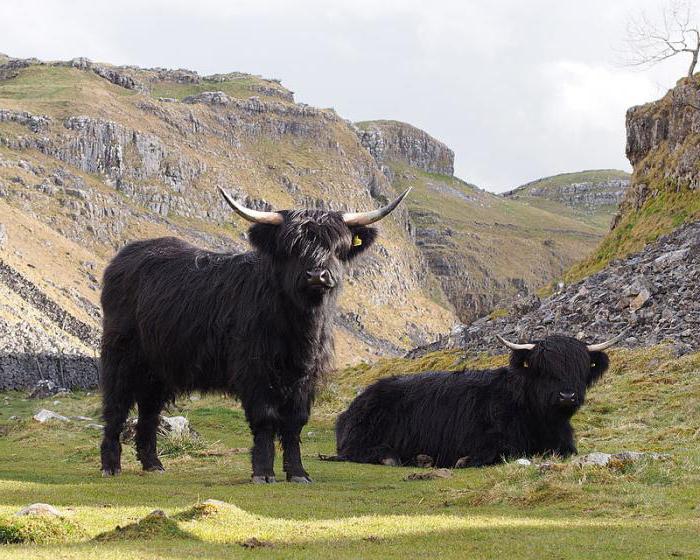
(362, 238)
(263, 237)
(520, 359)
(599, 364)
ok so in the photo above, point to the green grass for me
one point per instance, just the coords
(241, 88)
(648, 401)
(54, 84)
(587, 176)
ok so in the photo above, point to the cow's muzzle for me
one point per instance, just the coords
(319, 279)
(567, 399)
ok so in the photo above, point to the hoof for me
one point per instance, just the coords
(263, 479)
(160, 469)
(111, 472)
(300, 479)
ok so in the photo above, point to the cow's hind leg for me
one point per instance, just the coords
(150, 406)
(117, 400)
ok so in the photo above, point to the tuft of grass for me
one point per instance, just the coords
(38, 529)
(154, 525)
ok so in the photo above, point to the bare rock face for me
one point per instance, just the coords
(397, 141)
(662, 145)
(583, 195)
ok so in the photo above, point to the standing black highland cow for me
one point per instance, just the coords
(475, 418)
(256, 325)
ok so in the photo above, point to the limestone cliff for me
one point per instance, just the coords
(93, 156)
(663, 145)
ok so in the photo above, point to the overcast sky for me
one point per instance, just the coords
(518, 89)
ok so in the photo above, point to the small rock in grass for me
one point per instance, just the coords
(45, 415)
(158, 514)
(425, 461)
(595, 459)
(615, 459)
(430, 475)
(551, 466)
(40, 509)
(523, 462)
(95, 426)
(462, 463)
(46, 388)
(255, 543)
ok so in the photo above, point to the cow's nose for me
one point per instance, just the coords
(320, 277)
(570, 397)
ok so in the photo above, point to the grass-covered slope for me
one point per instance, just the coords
(591, 196)
(486, 248)
(648, 401)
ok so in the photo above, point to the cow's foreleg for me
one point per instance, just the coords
(291, 440)
(263, 453)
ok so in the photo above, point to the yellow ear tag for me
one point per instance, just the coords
(356, 241)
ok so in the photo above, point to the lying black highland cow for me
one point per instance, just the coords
(256, 325)
(474, 418)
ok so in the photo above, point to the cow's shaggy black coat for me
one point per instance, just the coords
(180, 319)
(483, 415)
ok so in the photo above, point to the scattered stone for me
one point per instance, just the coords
(255, 543)
(45, 415)
(430, 475)
(168, 425)
(653, 293)
(425, 461)
(523, 462)
(599, 459)
(45, 389)
(95, 426)
(40, 509)
(158, 514)
(462, 463)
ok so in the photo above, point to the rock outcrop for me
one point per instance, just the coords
(397, 141)
(575, 191)
(653, 294)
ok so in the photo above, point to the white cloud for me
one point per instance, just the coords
(517, 89)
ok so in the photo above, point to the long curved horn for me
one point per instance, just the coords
(514, 346)
(366, 218)
(607, 343)
(256, 216)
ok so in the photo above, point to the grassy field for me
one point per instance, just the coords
(649, 509)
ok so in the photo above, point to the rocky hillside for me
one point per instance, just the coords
(485, 249)
(663, 145)
(591, 195)
(652, 293)
(93, 155)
